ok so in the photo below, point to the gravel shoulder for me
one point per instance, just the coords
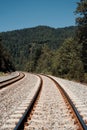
(9, 76)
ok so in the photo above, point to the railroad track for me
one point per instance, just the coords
(78, 94)
(75, 113)
(49, 107)
(11, 80)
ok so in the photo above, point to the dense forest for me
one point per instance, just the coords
(44, 49)
(6, 64)
(61, 52)
(27, 45)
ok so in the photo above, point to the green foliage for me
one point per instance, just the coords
(46, 50)
(67, 62)
(86, 77)
(25, 45)
(44, 64)
(5, 61)
(82, 29)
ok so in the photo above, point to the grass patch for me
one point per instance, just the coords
(3, 74)
(85, 77)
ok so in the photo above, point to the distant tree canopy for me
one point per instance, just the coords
(44, 64)
(81, 21)
(5, 61)
(25, 44)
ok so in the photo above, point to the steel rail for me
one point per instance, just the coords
(23, 119)
(11, 80)
(76, 113)
(3, 81)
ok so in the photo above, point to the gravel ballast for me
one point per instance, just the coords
(13, 96)
(51, 112)
(78, 94)
(9, 76)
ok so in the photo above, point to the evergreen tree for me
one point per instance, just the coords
(44, 64)
(5, 59)
(67, 62)
(81, 21)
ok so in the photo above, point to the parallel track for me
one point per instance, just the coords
(22, 122)
(69, 103)
(74, 111)
(11, 80)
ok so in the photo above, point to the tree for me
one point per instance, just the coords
(67, 62)
(81, 21)
(5, 59)
(44, 64)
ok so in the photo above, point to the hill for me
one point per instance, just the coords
(26, 44)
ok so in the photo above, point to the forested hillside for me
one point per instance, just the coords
(46, 50)
(26, 45)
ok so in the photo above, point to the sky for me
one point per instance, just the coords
(19, 14)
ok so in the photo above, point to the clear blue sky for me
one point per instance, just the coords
(19, 14)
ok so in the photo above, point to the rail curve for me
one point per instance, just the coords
(69, 103)
(77, 116)
(12, 80)
(25, 112)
